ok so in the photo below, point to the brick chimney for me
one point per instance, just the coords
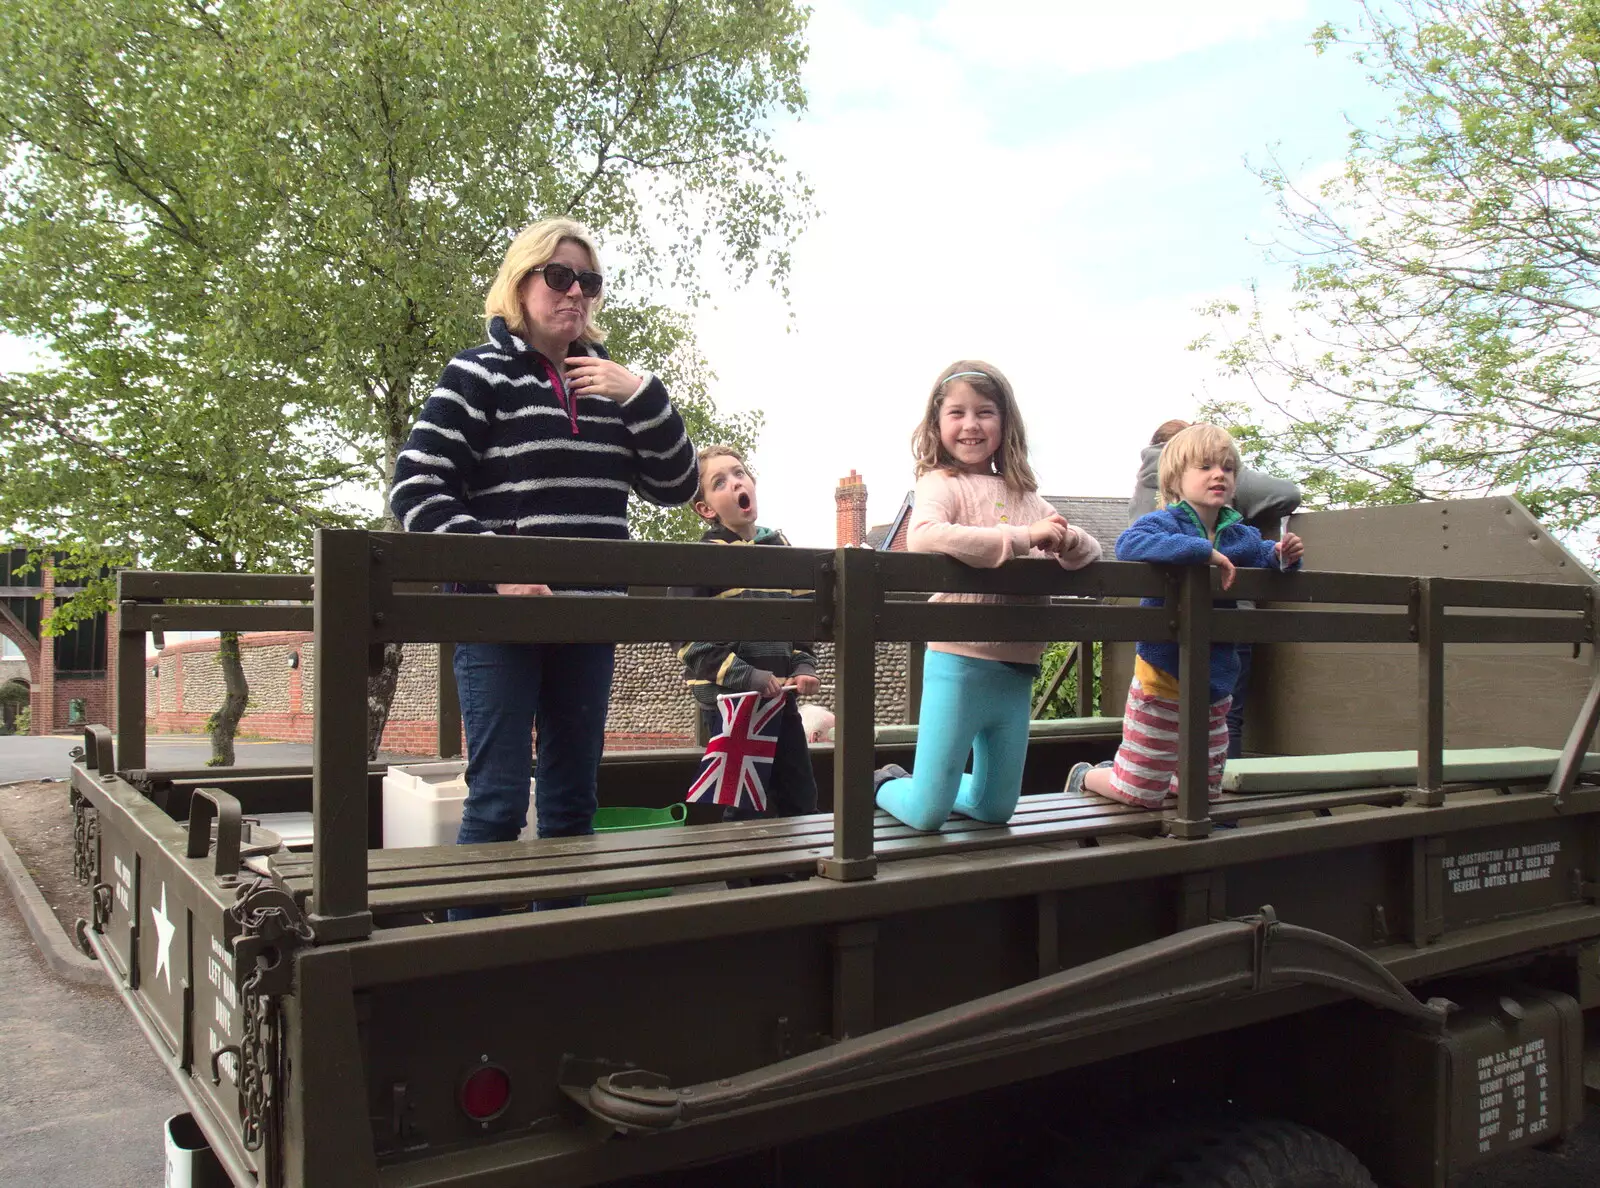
(850, 511)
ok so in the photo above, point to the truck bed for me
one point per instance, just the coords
(426, 879)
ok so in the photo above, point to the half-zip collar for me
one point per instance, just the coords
(1226, 518)
(568, 401)
(500, 334)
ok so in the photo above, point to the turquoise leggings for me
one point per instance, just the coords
(976, 706)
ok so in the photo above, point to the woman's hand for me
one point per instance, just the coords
(806, 685)
(589, 375)
(1290, 549)
(1049, 534)
(520, 589)
(1226, 566)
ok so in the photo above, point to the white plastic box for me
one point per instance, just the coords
(422, 804)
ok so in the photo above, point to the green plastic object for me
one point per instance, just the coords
(617, 820)
(622, 820)
(1376, 769)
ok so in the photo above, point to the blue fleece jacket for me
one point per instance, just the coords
(1174, 536)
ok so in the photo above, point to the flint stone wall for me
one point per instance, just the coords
(648, 698)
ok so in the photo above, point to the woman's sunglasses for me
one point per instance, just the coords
(559, 277)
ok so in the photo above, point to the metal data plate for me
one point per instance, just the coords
(1515, 1074)
(1504, 1073)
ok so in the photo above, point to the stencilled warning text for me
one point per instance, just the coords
(1486, 869)
(124, 878)
(1513, 1095)
(219, 972)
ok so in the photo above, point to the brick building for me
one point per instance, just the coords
(70, 676)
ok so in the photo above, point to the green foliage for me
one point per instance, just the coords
(191, 481)
(655, 339)
(14, 692)
(25, 720)
(250, 236)
(1063, 703)
(1443, 338)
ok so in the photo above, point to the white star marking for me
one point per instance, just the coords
(165, 929)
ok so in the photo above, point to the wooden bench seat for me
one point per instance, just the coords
(426, 878)
(707, 853)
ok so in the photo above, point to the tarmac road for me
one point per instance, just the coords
(82, 1098)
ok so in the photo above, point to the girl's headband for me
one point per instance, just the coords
(966, 375)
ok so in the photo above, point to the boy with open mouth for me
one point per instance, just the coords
(726, 500)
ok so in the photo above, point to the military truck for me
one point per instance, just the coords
(1370, 962)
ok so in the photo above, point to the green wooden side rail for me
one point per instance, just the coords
(375, 588)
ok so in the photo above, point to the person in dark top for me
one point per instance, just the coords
(1262, 502)
(537, 432)
(726, 499)
(1260, 499)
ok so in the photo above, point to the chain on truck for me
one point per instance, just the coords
(1370, 962)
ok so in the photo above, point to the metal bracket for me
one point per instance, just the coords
(853, 948)
(269, 930)
(1427, 890)
(847, 870)
(1583, 888)
(98, 750)
(80, 937)
(100, 905)
(1202, 898)
(1186, 971)
(1565, 776)
(208, 803)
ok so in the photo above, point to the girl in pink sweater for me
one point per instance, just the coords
(976, 501)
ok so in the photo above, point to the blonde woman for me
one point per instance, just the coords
(538, 432)
(976, 501)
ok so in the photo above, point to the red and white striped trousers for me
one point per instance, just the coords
(1145, 772)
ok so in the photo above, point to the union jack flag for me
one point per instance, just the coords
(738, 761)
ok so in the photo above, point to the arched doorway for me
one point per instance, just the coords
(14, 670)
(15, 695)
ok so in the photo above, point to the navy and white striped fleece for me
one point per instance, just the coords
(495, 452)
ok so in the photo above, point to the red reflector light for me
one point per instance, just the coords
(486, 1093)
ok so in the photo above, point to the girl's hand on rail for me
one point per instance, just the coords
(1291, 548)
(520, 589)
(1226, 566)
(1049, 534)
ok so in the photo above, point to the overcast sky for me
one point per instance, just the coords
(1053, 187)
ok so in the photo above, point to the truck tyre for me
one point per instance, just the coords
(1262, 1153)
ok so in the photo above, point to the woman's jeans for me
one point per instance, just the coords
(1241, 690)
(507, 690)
